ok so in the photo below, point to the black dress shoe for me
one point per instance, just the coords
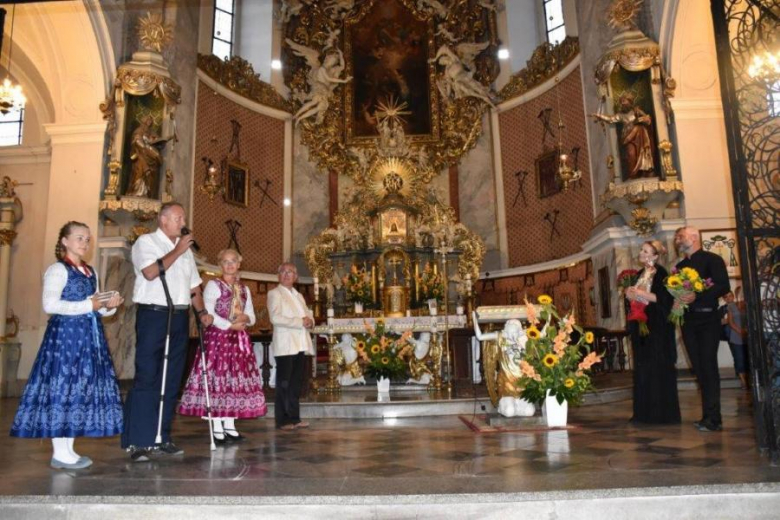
(218, 441)
(704, 426)
(140, 454)
(233, 437)
(170, 448)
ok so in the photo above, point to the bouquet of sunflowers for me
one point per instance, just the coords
(431, 285)
(383, 351)
(553, 361)
(358, 286)
(679, 283)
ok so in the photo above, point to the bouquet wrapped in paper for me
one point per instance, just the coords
(636, 312)
(680, 283)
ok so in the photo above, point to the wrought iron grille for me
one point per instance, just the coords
(745, 29)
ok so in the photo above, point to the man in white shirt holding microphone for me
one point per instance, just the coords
(166, 250)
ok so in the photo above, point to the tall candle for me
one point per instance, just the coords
(316, 288)
(417, 281)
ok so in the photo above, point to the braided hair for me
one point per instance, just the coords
(65, 231)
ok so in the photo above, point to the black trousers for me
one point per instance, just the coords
(289, 381)
(142, 405)
(701, 334)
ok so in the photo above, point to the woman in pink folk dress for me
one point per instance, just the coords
(235, 388)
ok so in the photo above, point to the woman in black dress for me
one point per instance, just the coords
(655, 354)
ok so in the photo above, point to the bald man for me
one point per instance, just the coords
(701, 330)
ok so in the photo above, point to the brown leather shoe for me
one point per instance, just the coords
(287, 427)
(302, 424)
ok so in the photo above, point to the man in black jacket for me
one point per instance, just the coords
(701, 329)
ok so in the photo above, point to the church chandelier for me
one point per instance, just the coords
(11, 96)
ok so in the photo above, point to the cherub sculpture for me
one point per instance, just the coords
(339, 8)
(507, 354)
(347, 359)
(323, 78)
(458, 79)
(418, 368)
(434, 7)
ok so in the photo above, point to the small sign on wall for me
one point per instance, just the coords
(723, 242)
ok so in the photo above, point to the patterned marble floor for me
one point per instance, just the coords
(415, 456)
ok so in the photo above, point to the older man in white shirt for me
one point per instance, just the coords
(291, 342)
(165, 251)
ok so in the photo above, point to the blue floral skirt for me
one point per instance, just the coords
(72, 389)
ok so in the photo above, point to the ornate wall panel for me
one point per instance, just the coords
(530, 237)
(262, 150)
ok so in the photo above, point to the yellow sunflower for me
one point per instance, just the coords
(375, 349)
(385, 360)
(550, 360)
(698, 286)
(589, 337)
(544, 299)
(361, 345)
(569, 382)
(690, 273)
(674, 282)
(533, 333)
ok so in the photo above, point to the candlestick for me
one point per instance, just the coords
(316, 288)
(417, 281)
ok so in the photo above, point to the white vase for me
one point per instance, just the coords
(555, 413)
(383, 385)
(358, 308)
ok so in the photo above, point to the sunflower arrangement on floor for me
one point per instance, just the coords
(553, 360)
(384, 352)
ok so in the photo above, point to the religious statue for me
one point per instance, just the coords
(347, 359)
(418, 368)
(146, 159)
(635, 138)
(323, 78)
(511, 343)
(458, 78)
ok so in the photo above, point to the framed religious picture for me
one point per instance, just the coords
(547, 174)
(604, 294)
(723, 242)
(563, 274)
(237, 184)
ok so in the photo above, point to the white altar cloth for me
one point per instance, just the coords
(399, 325)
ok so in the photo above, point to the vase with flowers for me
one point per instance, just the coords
(357, 284)
(431, 287)
(383, 353)
(558, 357)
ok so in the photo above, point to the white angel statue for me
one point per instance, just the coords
(339, 8)
(421, 374)
(323, 78)
(350, 372)
(511, 347)
(458, 80)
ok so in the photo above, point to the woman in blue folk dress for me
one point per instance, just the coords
(72, 389)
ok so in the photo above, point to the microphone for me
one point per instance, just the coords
(186, 231)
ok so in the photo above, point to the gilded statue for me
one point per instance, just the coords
(323, 79)
(348, 361)
(507, 352)
(636, 137)
(418, 367)
(146, 159)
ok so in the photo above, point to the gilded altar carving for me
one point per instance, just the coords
(455, 120)
(238, 75)
(546, 61)
(7, 237)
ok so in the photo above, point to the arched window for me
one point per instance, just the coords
(553, 21)
(11, 127)
(222, 35)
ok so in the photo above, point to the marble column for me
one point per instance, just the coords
(10, 349)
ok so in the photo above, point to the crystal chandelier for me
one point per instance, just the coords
(11, 96)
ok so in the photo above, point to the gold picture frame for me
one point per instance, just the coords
(237, 184)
